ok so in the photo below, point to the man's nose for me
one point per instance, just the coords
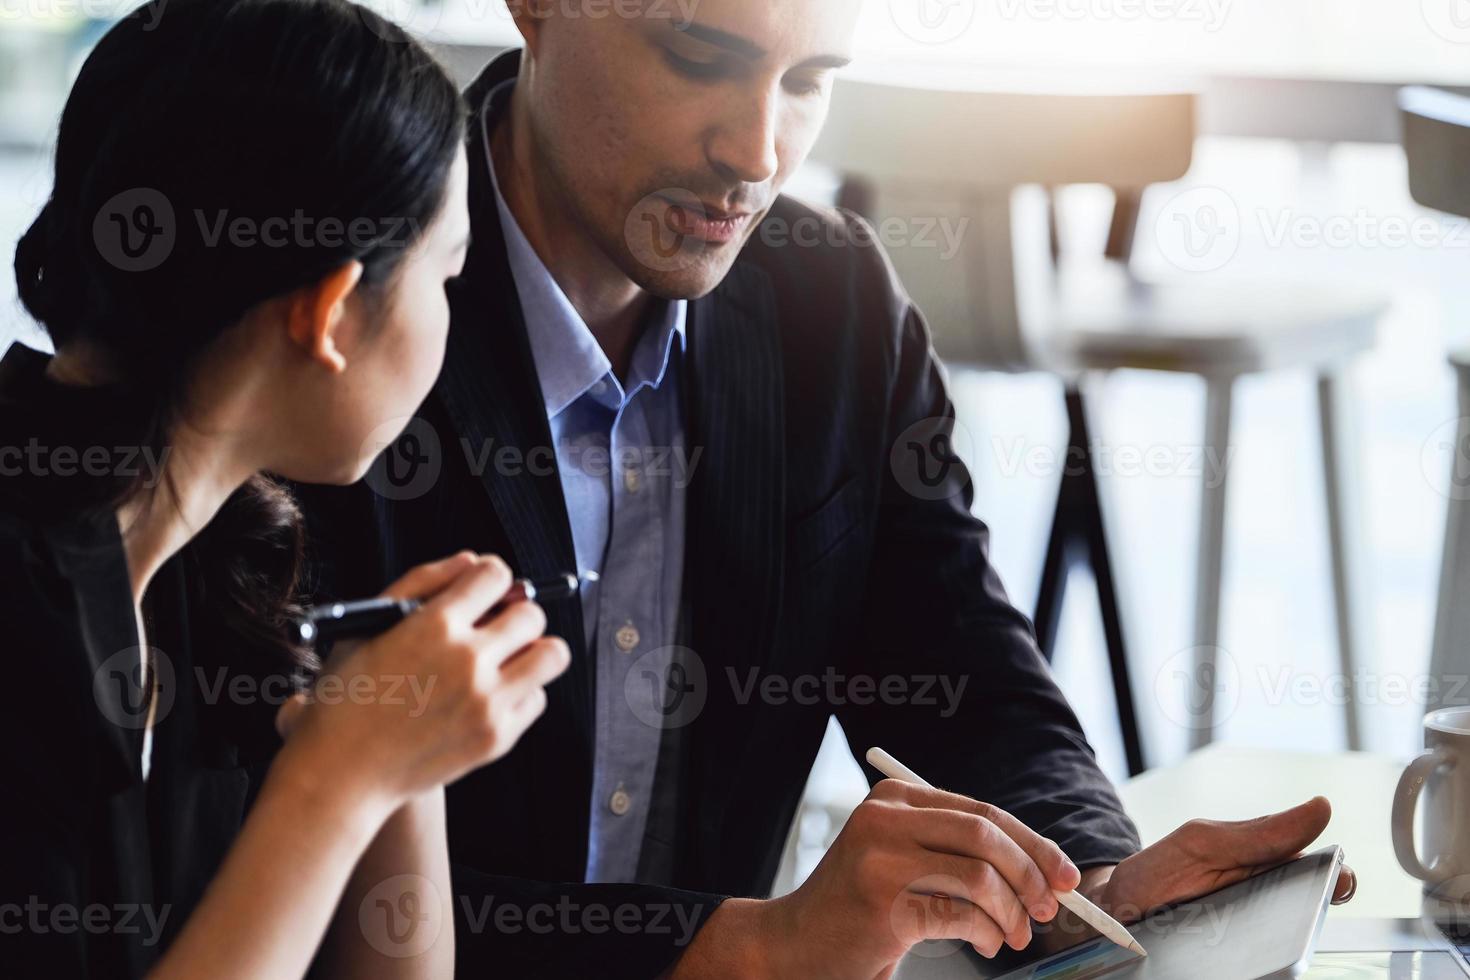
(744, 147)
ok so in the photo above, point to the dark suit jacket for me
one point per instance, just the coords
(813, 551)
(99, 869)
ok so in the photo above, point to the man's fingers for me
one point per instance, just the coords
(1347, 886)
(926, 915)
(1267, 840)
(425, 581)
(968, 835)
(986, 889)
(1058, 869)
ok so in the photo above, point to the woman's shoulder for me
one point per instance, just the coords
(45, 563)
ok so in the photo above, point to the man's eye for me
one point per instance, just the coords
(805, 85)
(693, 69)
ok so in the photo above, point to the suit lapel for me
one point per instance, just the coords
(89, 553)
(491, 393)
(736, 533)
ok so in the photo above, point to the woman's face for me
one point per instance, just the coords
(393, 343)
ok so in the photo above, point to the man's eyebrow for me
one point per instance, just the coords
(744, 47)
(832, 61)
(748, 49)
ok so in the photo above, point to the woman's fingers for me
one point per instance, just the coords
(474, 591)
(513, 629)
(289, 714)
(535, 666)
(426, 581)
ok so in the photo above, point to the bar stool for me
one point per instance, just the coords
(1005, 303)
(1437, 144)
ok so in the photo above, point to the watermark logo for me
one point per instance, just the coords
(927, 912)
(133, 684)
(136, 230)
(400, 917)
(1444, 460)
(416, 17)
(1450, 19)
(667, 688)
(927, 459)
(1199, 230)
(1198, 688)
(409, 459)
(1210, 15)
(1017, 457)
(933, 21)
(658, 230)
(149, 12)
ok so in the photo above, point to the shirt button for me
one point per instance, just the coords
(628, 638)
(632, 480)
(620, 803)
(600, 388)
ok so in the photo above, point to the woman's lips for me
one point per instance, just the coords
(707, 224)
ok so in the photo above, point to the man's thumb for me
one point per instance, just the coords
(1283, 835)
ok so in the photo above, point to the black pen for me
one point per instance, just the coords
(371, 617)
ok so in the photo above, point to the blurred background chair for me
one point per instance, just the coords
(1009, 300)
(1437, 145)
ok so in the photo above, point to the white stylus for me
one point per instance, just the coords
(1081, 907)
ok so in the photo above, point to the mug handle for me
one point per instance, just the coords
(1405, 802)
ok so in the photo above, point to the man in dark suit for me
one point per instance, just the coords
(663, 371)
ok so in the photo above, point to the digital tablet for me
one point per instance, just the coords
(1264, 928)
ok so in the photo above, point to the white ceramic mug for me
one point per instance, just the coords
(1438, 782)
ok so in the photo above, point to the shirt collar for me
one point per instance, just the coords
(569, 361)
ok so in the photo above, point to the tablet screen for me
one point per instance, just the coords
(1096, 958)
(1264, 927)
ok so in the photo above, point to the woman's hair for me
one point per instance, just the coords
(212, 155)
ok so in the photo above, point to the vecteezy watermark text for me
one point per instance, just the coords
(39, 460)
(568, 917)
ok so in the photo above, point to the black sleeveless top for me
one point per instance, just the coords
(99, 869)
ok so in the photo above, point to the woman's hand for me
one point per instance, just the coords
(446, 691)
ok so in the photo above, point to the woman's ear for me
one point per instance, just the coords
(316, 313)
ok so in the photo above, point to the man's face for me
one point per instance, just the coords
(666, 136)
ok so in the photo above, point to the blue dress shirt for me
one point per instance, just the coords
(624, 472)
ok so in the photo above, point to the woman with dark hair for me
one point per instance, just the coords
(257, 207)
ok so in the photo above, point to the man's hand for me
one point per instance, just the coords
(916, 863)
(1206, 855)
(912, 863)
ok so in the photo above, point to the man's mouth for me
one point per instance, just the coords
(708, 223)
